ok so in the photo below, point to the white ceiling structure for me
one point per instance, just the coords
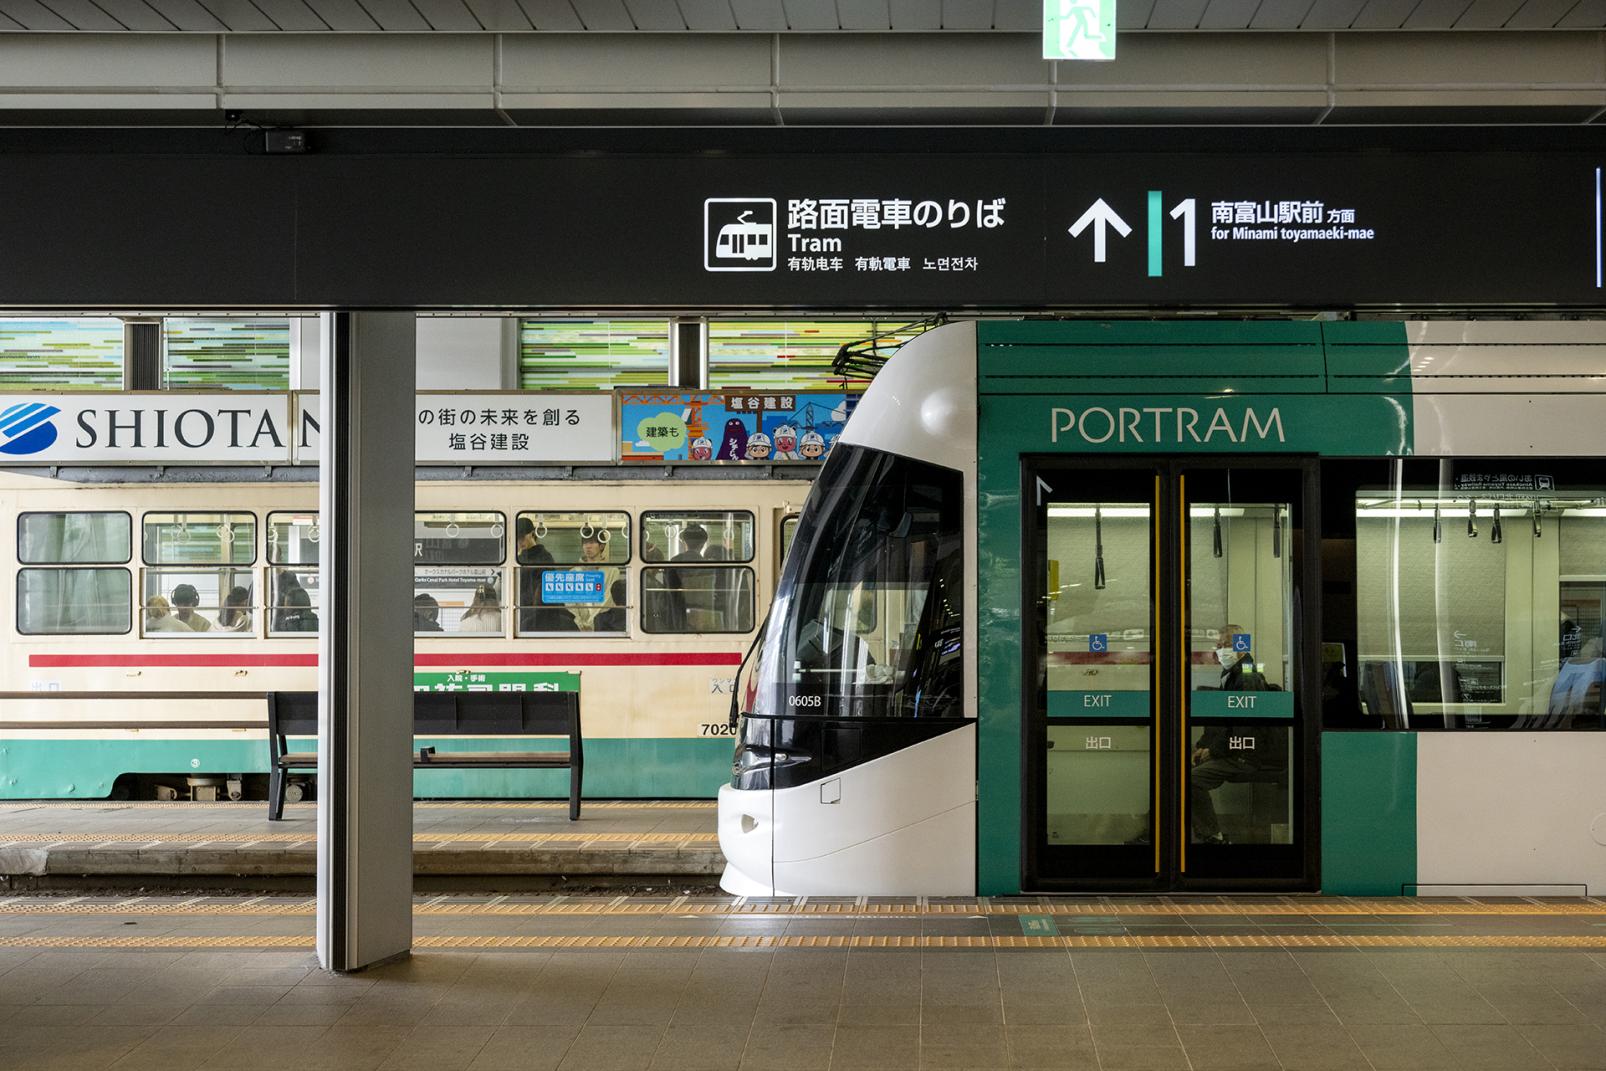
(795, 62)
(777, 16)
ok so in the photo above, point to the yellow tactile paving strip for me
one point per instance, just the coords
(575, 941)
(805, 909)
(227, 837)
(425, 805)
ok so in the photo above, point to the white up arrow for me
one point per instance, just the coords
(1100, 215)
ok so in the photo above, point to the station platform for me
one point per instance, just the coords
(681, 983)
(178, 844)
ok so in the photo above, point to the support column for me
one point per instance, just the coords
(367, 366)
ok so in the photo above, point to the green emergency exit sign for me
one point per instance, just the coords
(1079, 29)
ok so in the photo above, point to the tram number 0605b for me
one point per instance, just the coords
(718, 729)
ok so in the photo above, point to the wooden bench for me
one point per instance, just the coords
(295, 714)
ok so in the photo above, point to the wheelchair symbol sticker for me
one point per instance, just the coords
(1098, 642)
(1240, 642)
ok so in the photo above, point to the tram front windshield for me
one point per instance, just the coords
(868, 617)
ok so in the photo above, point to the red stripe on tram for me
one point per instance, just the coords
(455, 659)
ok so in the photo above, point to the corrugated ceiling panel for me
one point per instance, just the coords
(187, 15)
(239, 15)
(759, 14)
(1228, 14)
(1289, 15)
(1384, 14)
(448, 14)
(811, 14)
(1176, 14)
(1436, 14)
(603, 14)
(1589, 14)
(1132, 14)
(1332, 14)
(33, 15)
(707, 14)
(395, 15)
(543, 14)
(84, 15)
(915, 14)
(864, 14)
(507, 15)
(967, 14)
(1024, 16)
(343, 15)
(1487, 14)
(655, 14)
(1540, 14)
(292, 15)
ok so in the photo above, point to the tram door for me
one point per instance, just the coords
(1171, 657)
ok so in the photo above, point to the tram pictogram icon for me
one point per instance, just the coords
(739, 234)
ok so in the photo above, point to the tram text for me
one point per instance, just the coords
(1160, 424)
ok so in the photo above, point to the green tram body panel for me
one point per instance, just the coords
(1087, 388)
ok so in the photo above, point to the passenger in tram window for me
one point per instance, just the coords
(613, 618)
(484, 613)
(289, 584)
(692, 542)
(1226, 753)
(531, 554)
(297, 615)
(426, 614)
(159, 618)
(1580, 689)
(185, 600)
(236, 613)
(592, 549)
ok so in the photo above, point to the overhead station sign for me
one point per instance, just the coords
(1079, 29)
(953, 231)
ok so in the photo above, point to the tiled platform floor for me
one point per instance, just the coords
(185, 839)
(702, 982)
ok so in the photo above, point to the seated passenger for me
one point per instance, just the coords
(426, 614)
(613, 618)
(288, 582)
(1214, 761)
(158, 618)
(484, 614)
(185, 600)
(295, 613)
(236, 613)
(1577, 693)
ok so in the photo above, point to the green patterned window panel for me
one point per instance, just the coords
(82, 353)
(781, 354)
(216, 353)
(593, 354)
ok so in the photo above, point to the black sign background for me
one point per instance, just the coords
(619, 231)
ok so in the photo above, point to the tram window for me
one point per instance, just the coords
(293, 538)
(458, 600)
(575, 538)
(788, 533)
(57, 602)
(697, 536)
(184, 601)
(1479, 597)
(459, 538)
(200, 538)
(692, 599)
(294, 600)
(74, 538)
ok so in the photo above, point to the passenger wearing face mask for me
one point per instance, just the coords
(1215, 761)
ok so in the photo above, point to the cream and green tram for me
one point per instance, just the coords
(135, 608)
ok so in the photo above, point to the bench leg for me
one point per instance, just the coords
(575, 777)
(276, 794)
